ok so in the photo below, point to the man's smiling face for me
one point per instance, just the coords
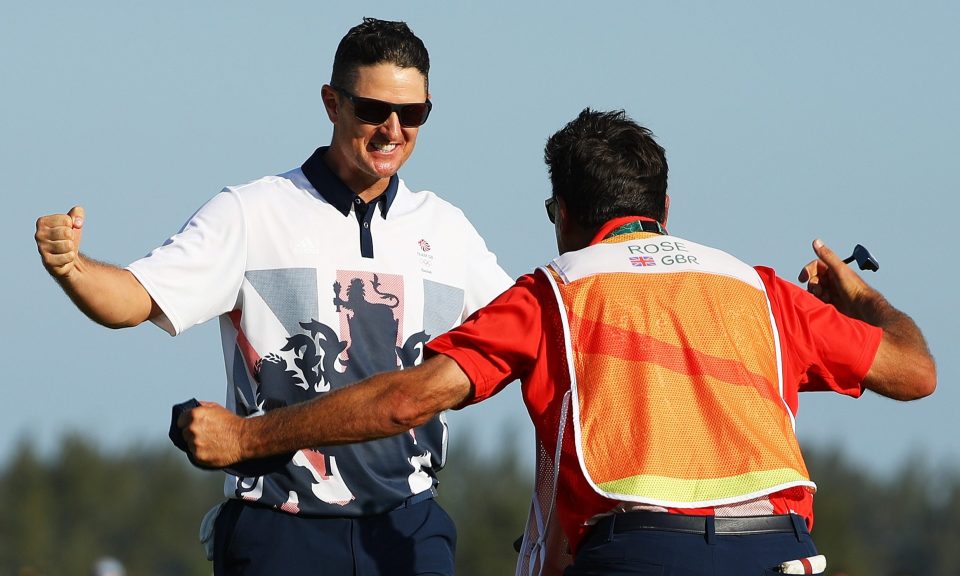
(364, 154)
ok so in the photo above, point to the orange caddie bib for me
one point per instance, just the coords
(674, 363)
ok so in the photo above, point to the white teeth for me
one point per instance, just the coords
(389, 147)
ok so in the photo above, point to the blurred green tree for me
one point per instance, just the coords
(142, 507)
(488, 498)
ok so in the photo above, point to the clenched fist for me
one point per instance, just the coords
(58, 241)
(212, 434)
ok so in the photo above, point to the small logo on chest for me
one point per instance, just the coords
(426, 259)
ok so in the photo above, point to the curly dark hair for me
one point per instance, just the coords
(604, 165)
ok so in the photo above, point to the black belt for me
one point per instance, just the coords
(732, 526)
(418, 498)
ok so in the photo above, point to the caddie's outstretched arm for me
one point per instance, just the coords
(109, 295)
(903, 368)
(383, 405)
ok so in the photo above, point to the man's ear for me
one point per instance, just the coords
(330, 102)
(666, 210)
(561, 208)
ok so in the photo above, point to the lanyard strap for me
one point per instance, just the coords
(637, 226)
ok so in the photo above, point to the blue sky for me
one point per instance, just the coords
(782, 123)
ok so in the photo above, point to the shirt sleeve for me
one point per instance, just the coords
(498, 343)
(196, 275)
(485, 278)
(823, 350)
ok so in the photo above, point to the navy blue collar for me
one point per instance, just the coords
(334, 191)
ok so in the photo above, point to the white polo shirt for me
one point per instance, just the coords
(312, 297)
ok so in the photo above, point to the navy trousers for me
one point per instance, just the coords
(416, 540)
(651, 552)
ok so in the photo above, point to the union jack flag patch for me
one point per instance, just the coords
(643, 261)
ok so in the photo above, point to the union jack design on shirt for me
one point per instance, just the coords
(643, 261)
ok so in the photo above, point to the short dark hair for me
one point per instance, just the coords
(378, 42)
(604, 165)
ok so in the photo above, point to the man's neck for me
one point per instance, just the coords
(366, 187)
(624, 222)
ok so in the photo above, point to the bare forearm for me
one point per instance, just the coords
(383, 405)
(107, 294)
(903, 368)
(350, 415)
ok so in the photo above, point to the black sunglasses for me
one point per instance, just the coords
(551, 205)
(377, 111)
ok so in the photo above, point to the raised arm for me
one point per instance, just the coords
(109, 295)
(383, 405)
(903, 368)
